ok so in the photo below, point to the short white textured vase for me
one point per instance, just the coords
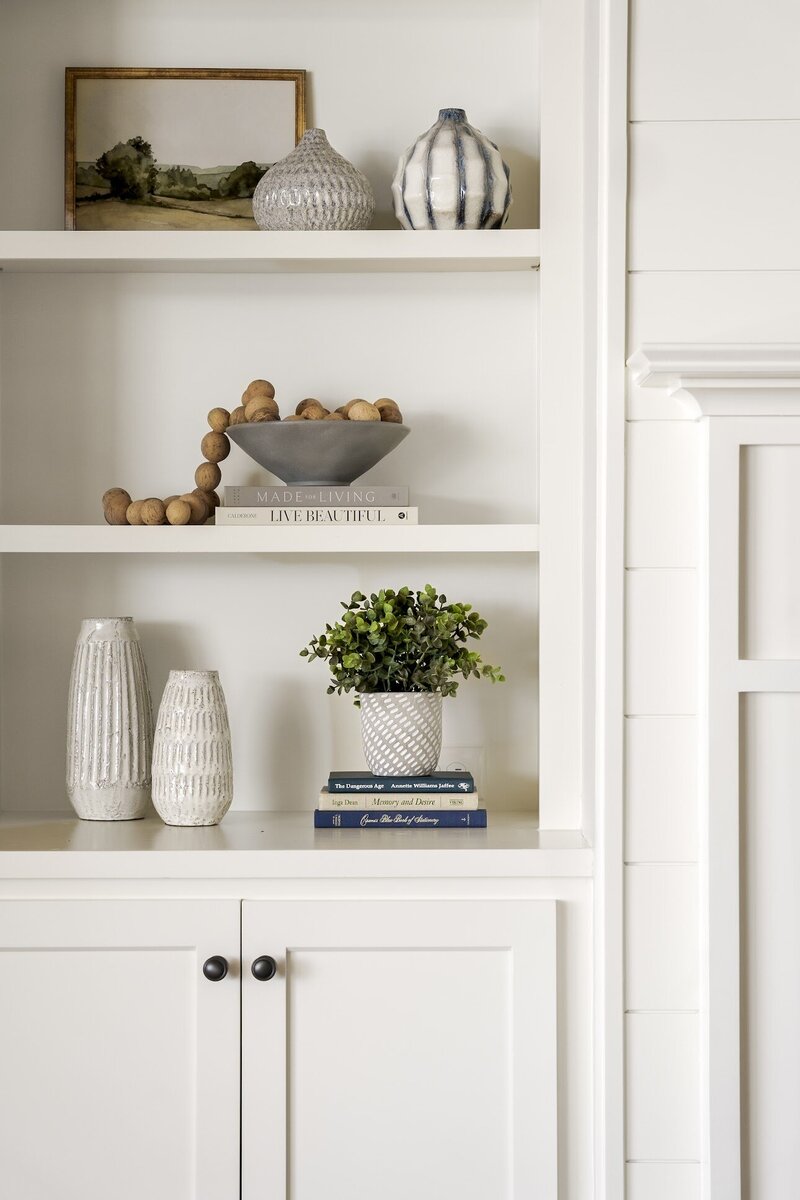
(109, 723)
(192, 761)
(401, 732)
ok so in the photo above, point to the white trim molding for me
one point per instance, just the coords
(719, 380)
(756, 390)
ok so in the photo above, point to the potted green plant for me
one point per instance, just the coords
(401, 652)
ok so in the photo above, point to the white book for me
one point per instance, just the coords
(391, 801)
(316, 516)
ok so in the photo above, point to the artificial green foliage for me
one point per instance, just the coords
(402, 641)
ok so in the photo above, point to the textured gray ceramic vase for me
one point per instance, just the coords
(313, 188)
(401, 732)
(453, 177)
(192, 761)
(109, 723)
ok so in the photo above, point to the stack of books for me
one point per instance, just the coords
(359, 504)
(361, 800)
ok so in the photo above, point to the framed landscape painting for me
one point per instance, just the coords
(174, 149)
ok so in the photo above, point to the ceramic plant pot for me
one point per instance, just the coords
(109, 723)
(313, 188)
(401, 732)
(192, 761)
(453, 177)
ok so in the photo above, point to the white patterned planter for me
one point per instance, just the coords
(401, 732)
(192, 761)
(109, 723)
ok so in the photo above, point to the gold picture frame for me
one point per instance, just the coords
(140, 190)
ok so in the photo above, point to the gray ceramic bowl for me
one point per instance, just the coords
(318, 452)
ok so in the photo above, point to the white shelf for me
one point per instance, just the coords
(207, 539)
(255, 251)
(268, 845)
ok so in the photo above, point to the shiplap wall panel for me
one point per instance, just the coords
(661, 662)
(770, 833)
(660, 789)
(662, 480)
(662, 1181)
(714, 195)
(662, 1076)
(661, 937)
(713, 306)
(714, 59)
(770, 619)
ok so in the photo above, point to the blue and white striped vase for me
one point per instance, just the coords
(453, 177)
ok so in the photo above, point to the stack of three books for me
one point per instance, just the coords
(361, 800)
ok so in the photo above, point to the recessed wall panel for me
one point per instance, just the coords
(770, 832)
(770, 551)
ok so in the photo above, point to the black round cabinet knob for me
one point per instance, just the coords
(215, 968)
(264, 967)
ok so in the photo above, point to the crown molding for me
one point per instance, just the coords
(715, 380)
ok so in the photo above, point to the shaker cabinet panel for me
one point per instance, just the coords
(119, 1060)
(401, 1049)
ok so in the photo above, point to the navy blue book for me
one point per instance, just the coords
(365, 781)
(372, 818)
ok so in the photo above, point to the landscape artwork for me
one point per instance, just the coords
(175, 149)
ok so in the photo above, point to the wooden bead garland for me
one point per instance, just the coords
(257, 405)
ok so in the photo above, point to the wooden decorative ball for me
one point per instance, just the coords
(153, 512)
(211, 498)
(169, 500)
(237, 416)
(384, 400)
(293, 417)
(259, 387)
(207, 476)
(134, 512)
(215, 447)
(256, 411)
(363, 411)
(116, 509)
(260, 405)
(200, 511)
(334, 416)
(219, 419)
(179, 512)
(112, 492)
(391, 413)
(307, 403)
(314, 412)
(346, 407)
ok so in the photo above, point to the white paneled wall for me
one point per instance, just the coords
(715, 257)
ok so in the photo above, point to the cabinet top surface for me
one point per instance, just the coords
(281, 846)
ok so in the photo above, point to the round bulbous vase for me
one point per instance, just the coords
(401, 732)
(192, 759)
(452, 177)
(109, 723)
(313, 188)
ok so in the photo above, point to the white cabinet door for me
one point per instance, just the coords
(404, 1050)
(119, 1060)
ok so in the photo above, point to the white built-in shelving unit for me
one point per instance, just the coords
(113, 345)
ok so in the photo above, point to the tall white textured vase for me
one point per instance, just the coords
(109, 723)
(192, 760)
